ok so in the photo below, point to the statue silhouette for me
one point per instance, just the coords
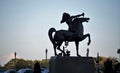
(71, 23)
(74, 32)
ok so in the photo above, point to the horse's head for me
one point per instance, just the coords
(84, 19)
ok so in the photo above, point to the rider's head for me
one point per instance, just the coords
(65, 17)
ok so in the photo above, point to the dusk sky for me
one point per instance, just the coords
(24, 26)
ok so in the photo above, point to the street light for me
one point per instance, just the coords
(15, 59)
(118, 52)
(46, 54)
(87, 54)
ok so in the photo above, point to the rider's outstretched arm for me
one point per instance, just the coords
(77, 15)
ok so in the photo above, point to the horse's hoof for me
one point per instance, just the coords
(88, 43)
(79, 55)
(56, 54)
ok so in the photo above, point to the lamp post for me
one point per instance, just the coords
(87, 54)
(118, 52)
(46, 54)
(97, 61)
(15, 59)
(98, 58)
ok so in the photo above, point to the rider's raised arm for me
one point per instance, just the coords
(77, 15)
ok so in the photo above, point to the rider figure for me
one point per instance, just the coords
(69, 20)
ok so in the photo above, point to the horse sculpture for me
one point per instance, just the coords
(61, 36)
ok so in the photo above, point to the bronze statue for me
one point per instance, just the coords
(74, 33)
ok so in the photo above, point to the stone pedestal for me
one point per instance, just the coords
(72, 65)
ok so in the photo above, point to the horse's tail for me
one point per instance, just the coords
(50, 32)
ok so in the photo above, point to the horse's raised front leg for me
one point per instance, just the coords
(89, 39)
(77, 48)
(88, 35)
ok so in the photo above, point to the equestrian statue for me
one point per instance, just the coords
(75, 32)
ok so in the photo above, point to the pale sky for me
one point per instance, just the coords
(24, 26)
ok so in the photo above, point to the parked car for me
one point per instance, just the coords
(44, 70)
(2, 71)
(26, 70)
(10, 71)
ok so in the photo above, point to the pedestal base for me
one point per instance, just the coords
(72, 65)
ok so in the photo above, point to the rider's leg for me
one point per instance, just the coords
(66, 43)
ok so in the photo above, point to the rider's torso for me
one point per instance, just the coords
(70, 25)
(76, 28)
